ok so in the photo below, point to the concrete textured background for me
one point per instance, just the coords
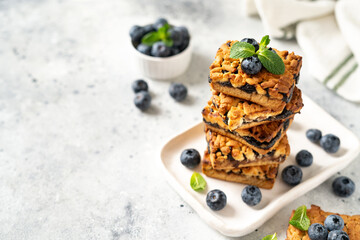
(77, 159)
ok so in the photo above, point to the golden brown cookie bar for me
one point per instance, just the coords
(228, 154)
(237, 113)
(261, 138)
(264, 88)
(261, 176)
(316, 215)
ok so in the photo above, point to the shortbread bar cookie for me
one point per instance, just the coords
(227, 154)
(261, 176)
(316, 215)
(264, 88)
(261, 138)
(241, 114)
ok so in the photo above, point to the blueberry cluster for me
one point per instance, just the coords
(179, 36)
(331, 230)
(142, 98)
(330, 143)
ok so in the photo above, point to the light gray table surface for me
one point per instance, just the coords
(77, 159)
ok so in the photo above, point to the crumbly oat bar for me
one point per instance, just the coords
(241, 114)
(227, 154)
(261, 176)
(316, 215)
(264, 88)
(261, 138)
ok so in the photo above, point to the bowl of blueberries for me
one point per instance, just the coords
(162, 51)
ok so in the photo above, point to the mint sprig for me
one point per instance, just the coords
(197, 182)
(270, 60)
(161, 35)
(300, 220)
(270, 237)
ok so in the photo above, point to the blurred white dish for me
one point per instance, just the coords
(238, 219)
(165, 68)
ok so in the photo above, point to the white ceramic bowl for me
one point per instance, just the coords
(163, 68)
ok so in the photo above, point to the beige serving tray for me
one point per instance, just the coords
(238, 219)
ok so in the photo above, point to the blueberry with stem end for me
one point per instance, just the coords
(216, 199)
(292, 175)
(334, 222)
(343, 186)
(190, 158)
(251, 195)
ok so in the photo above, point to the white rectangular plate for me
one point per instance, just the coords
(238, 219)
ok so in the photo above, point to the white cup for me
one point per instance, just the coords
(163, 68)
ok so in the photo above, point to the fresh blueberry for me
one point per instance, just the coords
(330, 143)
(149, 28)
(252, 42)
(184, 44)
(174, 51)
(184, 31)
(251, 195)
(270, 49)
(145, 49)
(251, 65)
(304, 158)
(216, 199)
(159, 49)
(343, 186)
(292, 175)
(334, 222)
(317, 232)
(160, 23)
(338, 235)
(136, 33)
(185, 37)
(178, 91)
(314, 135)
(190, 158)
(139, 85)
(142, 100)
(177, 36)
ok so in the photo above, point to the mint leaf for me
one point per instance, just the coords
(270, 237)
(163, 31)
(300, 220)
(242, 50)
(150, 38)
(197, 182)
(265, 41)
(271, 61)
(168, 42)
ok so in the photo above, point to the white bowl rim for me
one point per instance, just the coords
(161, 59)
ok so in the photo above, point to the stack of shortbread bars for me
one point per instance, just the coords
(247, 118)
